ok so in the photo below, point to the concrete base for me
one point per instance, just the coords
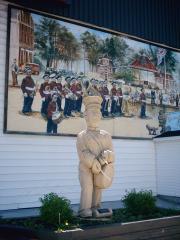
(102, 212)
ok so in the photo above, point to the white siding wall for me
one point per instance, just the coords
(31, 166)
(168, 166)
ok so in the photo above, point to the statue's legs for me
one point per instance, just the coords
(90, 195)
(96, 198)
(86, 181)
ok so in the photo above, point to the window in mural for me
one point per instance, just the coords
(51, 63)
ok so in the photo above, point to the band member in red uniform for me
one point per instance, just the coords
(94, 83)
(73, 97)
(79, 94)
(113, 94)
(105, 89)
(59, 91)
(45, 95)
(106, 99)
(100, 88)
(66, 92)
(52, 108)
(53, 84)
(29, 90)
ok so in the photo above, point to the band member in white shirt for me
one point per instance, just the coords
(14, 71)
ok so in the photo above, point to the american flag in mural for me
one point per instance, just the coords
(160, 54)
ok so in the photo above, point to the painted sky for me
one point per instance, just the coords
(77, 30)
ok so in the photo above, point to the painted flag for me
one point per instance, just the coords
(160, 54)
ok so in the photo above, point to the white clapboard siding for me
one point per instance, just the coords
(168, 166)
(31, 166)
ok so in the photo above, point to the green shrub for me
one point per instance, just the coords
(55, 210)
(139, 203)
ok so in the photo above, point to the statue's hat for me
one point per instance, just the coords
(92, 102)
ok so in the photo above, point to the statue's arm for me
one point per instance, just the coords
(85, 156)
(111, 157)
(107, 156)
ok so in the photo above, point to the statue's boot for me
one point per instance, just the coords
(85, 213)
(102, 212)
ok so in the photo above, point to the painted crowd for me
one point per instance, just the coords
(62, 98)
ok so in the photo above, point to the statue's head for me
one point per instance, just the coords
(92, 112)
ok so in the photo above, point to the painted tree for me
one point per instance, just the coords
(91, 45)
(68, 46)
(54, 43)
(116, 49)
(170, 60)
(138, 55)
(45, 39)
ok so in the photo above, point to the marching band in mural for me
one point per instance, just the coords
(53, 63)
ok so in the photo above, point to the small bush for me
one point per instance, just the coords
(55, 210)
(139, 203)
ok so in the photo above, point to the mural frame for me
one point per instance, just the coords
(72, 21)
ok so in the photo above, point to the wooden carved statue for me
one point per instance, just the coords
(96, 155)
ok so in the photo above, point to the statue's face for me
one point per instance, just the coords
(93, 118)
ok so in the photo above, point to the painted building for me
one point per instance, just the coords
(26, 38)
(105, 68)
(165, 81)
(23, 32)
(146, 73)
(143, 70)
(14, 53)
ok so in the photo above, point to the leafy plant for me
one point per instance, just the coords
(55, 210)
(139, 203)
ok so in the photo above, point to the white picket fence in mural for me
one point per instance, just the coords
(31, 166)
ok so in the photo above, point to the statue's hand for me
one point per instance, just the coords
(105, 155)
(96, 167)
(103, 160)
(108, 156)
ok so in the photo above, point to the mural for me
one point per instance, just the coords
(53, 62)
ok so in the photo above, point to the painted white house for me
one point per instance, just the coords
(31, 166)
